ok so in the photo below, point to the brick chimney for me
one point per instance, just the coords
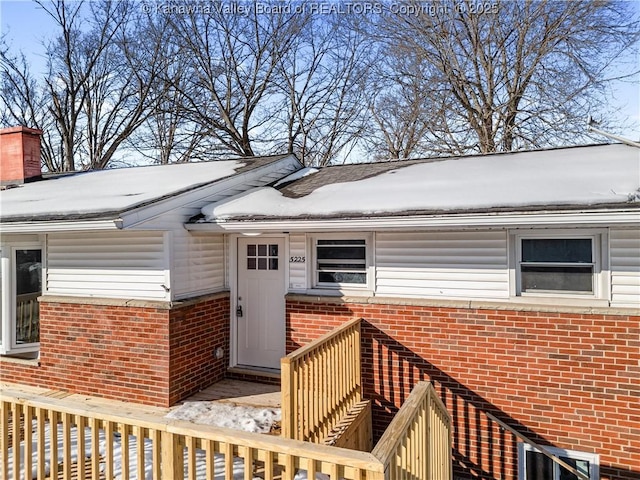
(19, 155)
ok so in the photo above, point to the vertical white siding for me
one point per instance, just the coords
(624, 248)
(107, 264)
(442, 265)
(298, 270)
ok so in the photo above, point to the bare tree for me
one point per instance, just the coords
(505, 75)
(121, 90)
(98, 90)
(232, 58)
(23, 102)
(72, 57)
(322, 79)
(399, 112)
(168, 135)
(181, 84)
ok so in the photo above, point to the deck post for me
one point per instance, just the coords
(358, 360)
(288, 392)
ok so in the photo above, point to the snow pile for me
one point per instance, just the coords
(228, 415)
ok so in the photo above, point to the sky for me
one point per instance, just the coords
(27, 26)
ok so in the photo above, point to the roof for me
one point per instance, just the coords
(576, 177)
(101, 194)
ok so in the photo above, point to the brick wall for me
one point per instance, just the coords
(564, 379)
(19, 155)
(196, 331)
(145, 354)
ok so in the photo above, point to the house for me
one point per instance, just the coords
(510, 281)
(133, 305)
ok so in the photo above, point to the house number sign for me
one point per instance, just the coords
(296, 259)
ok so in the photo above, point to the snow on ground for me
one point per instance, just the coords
(245, 418)
(219, 463)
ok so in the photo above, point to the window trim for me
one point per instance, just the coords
(599, 248)
(8, 343)
(592, 458)
(333, 287)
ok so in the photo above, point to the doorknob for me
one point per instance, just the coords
(239, 311)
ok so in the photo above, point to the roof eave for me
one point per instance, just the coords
(46, 226)
(129, 216)
(470, 220)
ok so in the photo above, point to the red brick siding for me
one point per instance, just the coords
(196, 331)
(127, 352)
(568, 380)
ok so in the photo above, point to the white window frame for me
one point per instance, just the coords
(592, 458)
(8, 344)
(358, 288)
(599, 246)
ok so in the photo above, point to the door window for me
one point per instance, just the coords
(262, 256)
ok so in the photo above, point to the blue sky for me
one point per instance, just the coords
(27, 26)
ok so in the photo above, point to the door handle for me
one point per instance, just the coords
(239, 311)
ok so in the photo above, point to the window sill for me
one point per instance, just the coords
(514, 303)
(32, 362)
(340, 292)
(559, 300)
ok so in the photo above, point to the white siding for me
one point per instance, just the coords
(298, 270)
(12, 239)
(198, 260)
(442, 265)
(198, 263)
(105, 264)
(625, 267)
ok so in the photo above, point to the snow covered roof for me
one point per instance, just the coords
(108, 193)
(589, 176)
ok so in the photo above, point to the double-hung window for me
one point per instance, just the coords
(561, 265)
(341, 262)
(534, 465)
(21, 281)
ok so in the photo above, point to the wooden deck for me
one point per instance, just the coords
(228, 391)
(240, 393)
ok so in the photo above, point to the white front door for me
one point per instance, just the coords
(260, 304)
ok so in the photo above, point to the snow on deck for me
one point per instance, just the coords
(225, 413)
(228, 415)
(572, 176)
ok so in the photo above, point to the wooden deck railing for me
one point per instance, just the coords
(28, 318)
(45, 435)
(417, 443)
(56, 439)
(321, 384)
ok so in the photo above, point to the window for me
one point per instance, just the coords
(534, 465)
(262, 257)
(566, 265)
(20, 287)
(340, 262)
